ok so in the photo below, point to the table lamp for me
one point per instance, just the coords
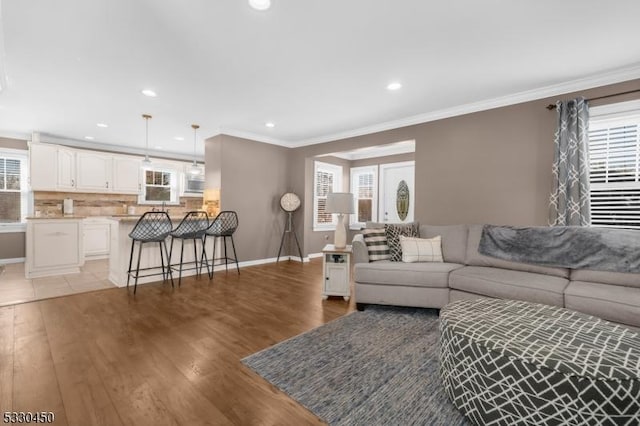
(341, 203)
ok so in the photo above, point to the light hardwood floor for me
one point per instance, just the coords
(164, 356)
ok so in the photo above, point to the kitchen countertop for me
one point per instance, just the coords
(55, 217)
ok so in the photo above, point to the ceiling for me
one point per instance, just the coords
(317, 69)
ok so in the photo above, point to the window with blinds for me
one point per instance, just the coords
(614, 161)
(13, 187)
(364, 187)
(327, 178)
(160, 186)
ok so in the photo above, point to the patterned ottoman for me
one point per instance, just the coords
(506, 362)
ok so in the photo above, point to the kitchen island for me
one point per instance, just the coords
(120, 250)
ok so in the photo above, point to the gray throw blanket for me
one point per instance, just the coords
(604, 249)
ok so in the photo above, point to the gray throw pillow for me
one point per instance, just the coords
(376, 241)
(394, 231)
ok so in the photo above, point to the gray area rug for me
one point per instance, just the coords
(377, 367)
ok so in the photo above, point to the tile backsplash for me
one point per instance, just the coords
(104, 204)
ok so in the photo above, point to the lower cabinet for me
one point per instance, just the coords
(54, 246)
(96, 238)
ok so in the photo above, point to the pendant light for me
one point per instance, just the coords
(194, 170)
(146, 156)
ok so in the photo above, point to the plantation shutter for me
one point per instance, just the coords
(324, 185)
(614, 160)
(365, 197)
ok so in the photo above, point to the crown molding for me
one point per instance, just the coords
(589, 82)
(253, 136)
(118, 149)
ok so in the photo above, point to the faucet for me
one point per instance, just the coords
(164, 205)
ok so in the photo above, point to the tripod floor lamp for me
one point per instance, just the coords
(289, 202)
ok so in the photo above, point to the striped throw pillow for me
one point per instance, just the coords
(421, 249)
(376, 241)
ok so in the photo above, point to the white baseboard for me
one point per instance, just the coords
(13, 260)
(314, 255)
(297, 259)
(262, 262)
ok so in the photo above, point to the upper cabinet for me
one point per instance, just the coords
(126, 175)
(60, 168)
(43, 167)
(66, 159)
(94, 171)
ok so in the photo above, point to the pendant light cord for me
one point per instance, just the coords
(146, 120)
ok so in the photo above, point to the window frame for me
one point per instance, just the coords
(174, 184)
(607, 117)
(26, 195)
(337, 171)
(355, 172)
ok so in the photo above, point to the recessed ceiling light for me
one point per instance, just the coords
(260, 4)
(149, 92)
(270, 125)
(394, 86)
(89, 138)
(179, 138)
(103, 125)
(158, 147)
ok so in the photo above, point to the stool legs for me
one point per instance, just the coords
(235, 256)
(133, 243)
(135, 284)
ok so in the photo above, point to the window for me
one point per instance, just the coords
(327, 178)
(614, 165)
(160, 186)
(14, 190)
(364, 187)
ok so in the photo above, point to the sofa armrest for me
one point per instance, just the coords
(360, 251)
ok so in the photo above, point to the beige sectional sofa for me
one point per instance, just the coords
(466, 274)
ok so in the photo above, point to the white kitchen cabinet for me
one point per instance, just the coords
(97, 237)
(126, 175)
(43, 167)
(54, 247)
(336, 266)
(94, 171)
(66, 164)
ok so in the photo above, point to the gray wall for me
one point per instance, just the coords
(253, 178)
(12, 245)
(492, 166)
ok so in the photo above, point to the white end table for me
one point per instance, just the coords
(336, 267)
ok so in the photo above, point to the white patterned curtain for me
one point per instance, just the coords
(569, 202)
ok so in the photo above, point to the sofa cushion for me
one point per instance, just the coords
(421, 249)
(474, 258)
(615, 278)
(509, 284)
(394, 230)
(376, 242)
(611, 302)
(427, 274)
(454, 240)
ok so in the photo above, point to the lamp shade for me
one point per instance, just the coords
(339, 202)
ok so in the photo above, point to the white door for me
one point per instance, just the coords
(126, 175)
(94, 172)
(397, 198)
(43, 167)
(66, 169)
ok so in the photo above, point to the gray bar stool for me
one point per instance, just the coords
(223, 226)
(152, 227)
(192, 227)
